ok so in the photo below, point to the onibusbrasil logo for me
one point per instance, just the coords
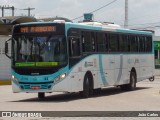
(21, 114)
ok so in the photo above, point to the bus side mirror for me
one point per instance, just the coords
(7, 49)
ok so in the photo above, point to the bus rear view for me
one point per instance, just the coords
(38, 53)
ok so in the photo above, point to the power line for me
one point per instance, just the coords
(97, 9)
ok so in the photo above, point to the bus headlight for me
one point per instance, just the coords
(14, 78)
(63, 76)
(59, 78)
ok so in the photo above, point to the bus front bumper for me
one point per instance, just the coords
(31, 88)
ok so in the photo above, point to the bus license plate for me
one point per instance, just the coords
(35, 87)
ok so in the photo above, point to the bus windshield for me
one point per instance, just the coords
(39, 51)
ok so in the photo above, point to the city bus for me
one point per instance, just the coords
(70, 57)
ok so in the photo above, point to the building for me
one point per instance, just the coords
(4, 61)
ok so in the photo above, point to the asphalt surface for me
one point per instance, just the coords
(145, 98)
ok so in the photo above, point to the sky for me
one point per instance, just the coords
(142, 13)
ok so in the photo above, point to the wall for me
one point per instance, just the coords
(5, 62)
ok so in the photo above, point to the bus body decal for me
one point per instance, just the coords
(101, 71)
(120, 70)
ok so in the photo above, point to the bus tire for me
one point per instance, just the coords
(132, 85)
(87, 86)
(133, 81)
(41, 95)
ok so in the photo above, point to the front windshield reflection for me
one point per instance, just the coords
(34, 51)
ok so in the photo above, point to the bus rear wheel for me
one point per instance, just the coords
(41, 95)
(132, 85)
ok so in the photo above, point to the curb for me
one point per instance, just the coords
(5, 82)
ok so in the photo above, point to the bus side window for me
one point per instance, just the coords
(148, 44)
(113, 42)
(123, 43)
(133, 43)
(142, 44)
(128, 43)
(74, 47)
(100, 42)
(107, 42)
(88, 41)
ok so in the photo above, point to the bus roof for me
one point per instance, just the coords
(109, 27)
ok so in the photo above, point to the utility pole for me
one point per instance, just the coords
(126, 14)
(29, 10)
(5, 7)
(12, 10)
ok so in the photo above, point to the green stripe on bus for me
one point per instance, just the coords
(46, 63)
(23, 64)
(20, 64)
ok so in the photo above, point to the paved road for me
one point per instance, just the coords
(145, 98)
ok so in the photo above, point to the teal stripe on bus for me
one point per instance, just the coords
(101, 70)
(133, 32)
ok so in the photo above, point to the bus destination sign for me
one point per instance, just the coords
(38, 29)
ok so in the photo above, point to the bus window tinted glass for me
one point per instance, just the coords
(148, 44)
(100, 42)
(74, 44)
(142, 44)
(107, 42)
(87, 42)
(123, 43)
(133, 44)
(113, 43)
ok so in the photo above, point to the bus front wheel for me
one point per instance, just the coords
(41, 95)
(87, 86)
